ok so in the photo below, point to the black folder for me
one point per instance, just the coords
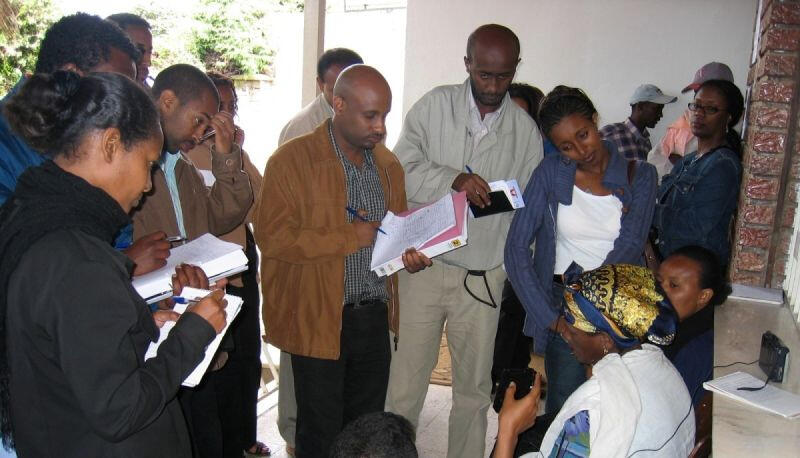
(500, 204)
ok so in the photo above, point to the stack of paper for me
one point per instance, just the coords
(232, 309)
(217, 258)
(769, 398)
(434, 229)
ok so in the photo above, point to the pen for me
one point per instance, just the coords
(356, 215)
(468, 169)
(175, 239)
(183, 300)
(207, 135)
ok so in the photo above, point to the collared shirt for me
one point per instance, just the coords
(480, 127)
(628, 140)
(364, 191)
(167, 164)
(15, 154)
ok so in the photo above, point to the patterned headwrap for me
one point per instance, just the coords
(621, 300)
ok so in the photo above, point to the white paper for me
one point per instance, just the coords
(211, 254)
(208, 177)
(412, 230)
(769, 398)
(231, 310)
(512, 191)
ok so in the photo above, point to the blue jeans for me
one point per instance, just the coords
(564, 373)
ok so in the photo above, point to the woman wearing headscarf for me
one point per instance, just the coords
(635, 399)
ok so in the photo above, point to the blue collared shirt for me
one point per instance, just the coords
(15, 155)
(551, 184)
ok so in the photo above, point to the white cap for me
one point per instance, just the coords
(651, 93)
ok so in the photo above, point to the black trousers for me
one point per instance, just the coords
(221, 411)
(512, 348)
(331, 393)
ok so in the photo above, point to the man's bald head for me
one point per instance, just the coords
(356, 78)
(493, 35)
(361, 100)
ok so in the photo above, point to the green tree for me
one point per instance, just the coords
(19, 44)
(231, 37)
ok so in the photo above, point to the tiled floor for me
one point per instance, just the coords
(431, 435)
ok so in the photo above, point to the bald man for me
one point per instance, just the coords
(322, 304)
(460, 138)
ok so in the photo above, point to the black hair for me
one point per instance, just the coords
(187, 82)
(561, 102)
(376, 435)
(493, 28)
(712, 274)
(734, 102)
(221, 80)
(83, 40)
(125, 20)
(530, 94)
(54, 112)
(342, 57)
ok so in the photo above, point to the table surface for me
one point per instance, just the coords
(738, 429)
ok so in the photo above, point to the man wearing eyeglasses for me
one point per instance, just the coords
(631, 136)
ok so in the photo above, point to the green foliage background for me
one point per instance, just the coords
(227, 36)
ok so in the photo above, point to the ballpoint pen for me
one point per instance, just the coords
(356, 215)
(469, 170)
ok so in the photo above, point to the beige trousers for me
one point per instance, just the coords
(428, 299)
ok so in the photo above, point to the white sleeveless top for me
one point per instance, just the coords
(586, 230)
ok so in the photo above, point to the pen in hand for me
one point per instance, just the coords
(356, 215)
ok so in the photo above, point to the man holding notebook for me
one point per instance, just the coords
(460, 138)
(323, 197)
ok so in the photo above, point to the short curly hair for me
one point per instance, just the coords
(83, 40)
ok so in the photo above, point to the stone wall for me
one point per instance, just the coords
(771, 159)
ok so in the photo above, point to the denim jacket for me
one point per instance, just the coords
(696, 202)
(552, 184)
(15, 155)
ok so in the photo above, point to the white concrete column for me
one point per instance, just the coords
(313, 46)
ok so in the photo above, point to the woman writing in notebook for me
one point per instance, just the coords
(73, 380)
(583, 205)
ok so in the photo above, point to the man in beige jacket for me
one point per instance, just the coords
(459, 138)
(329, 65)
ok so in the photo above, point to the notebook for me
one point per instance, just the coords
(433, 229)
(770, 398)
(231, 309)
(504, 196)
(217, 258)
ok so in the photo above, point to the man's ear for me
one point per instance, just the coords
(320, 84)
(70, 67)
(111, 144)
(339, 104)
(467, 61)
(595, 118)
(167, 101)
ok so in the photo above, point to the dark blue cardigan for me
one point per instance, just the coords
(551, 184)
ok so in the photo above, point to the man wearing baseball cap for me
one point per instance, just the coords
(631, 136)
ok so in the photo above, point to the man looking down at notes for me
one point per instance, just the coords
(322, 304)
(180, 204)
(475, 125)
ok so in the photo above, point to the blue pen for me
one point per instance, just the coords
(356, 215)
(468, 169)
(183, 300)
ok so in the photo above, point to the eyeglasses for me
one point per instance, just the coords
(707, 110)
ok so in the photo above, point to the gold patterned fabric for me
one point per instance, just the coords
(622, 300)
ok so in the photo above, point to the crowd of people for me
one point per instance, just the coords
(103, 167)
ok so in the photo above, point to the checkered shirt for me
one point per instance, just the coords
(364, 191)
(629, 141)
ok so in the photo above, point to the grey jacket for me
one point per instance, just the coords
(435, 145)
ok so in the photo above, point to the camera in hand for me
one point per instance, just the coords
(522, 378)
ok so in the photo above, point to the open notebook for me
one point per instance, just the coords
(433, 229)
(232, 309)
(770, 398)
(217, 258)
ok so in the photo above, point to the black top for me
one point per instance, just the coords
(77, 333)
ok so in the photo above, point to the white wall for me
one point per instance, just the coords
(605, 47)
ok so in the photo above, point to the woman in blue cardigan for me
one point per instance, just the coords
(584, 205)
